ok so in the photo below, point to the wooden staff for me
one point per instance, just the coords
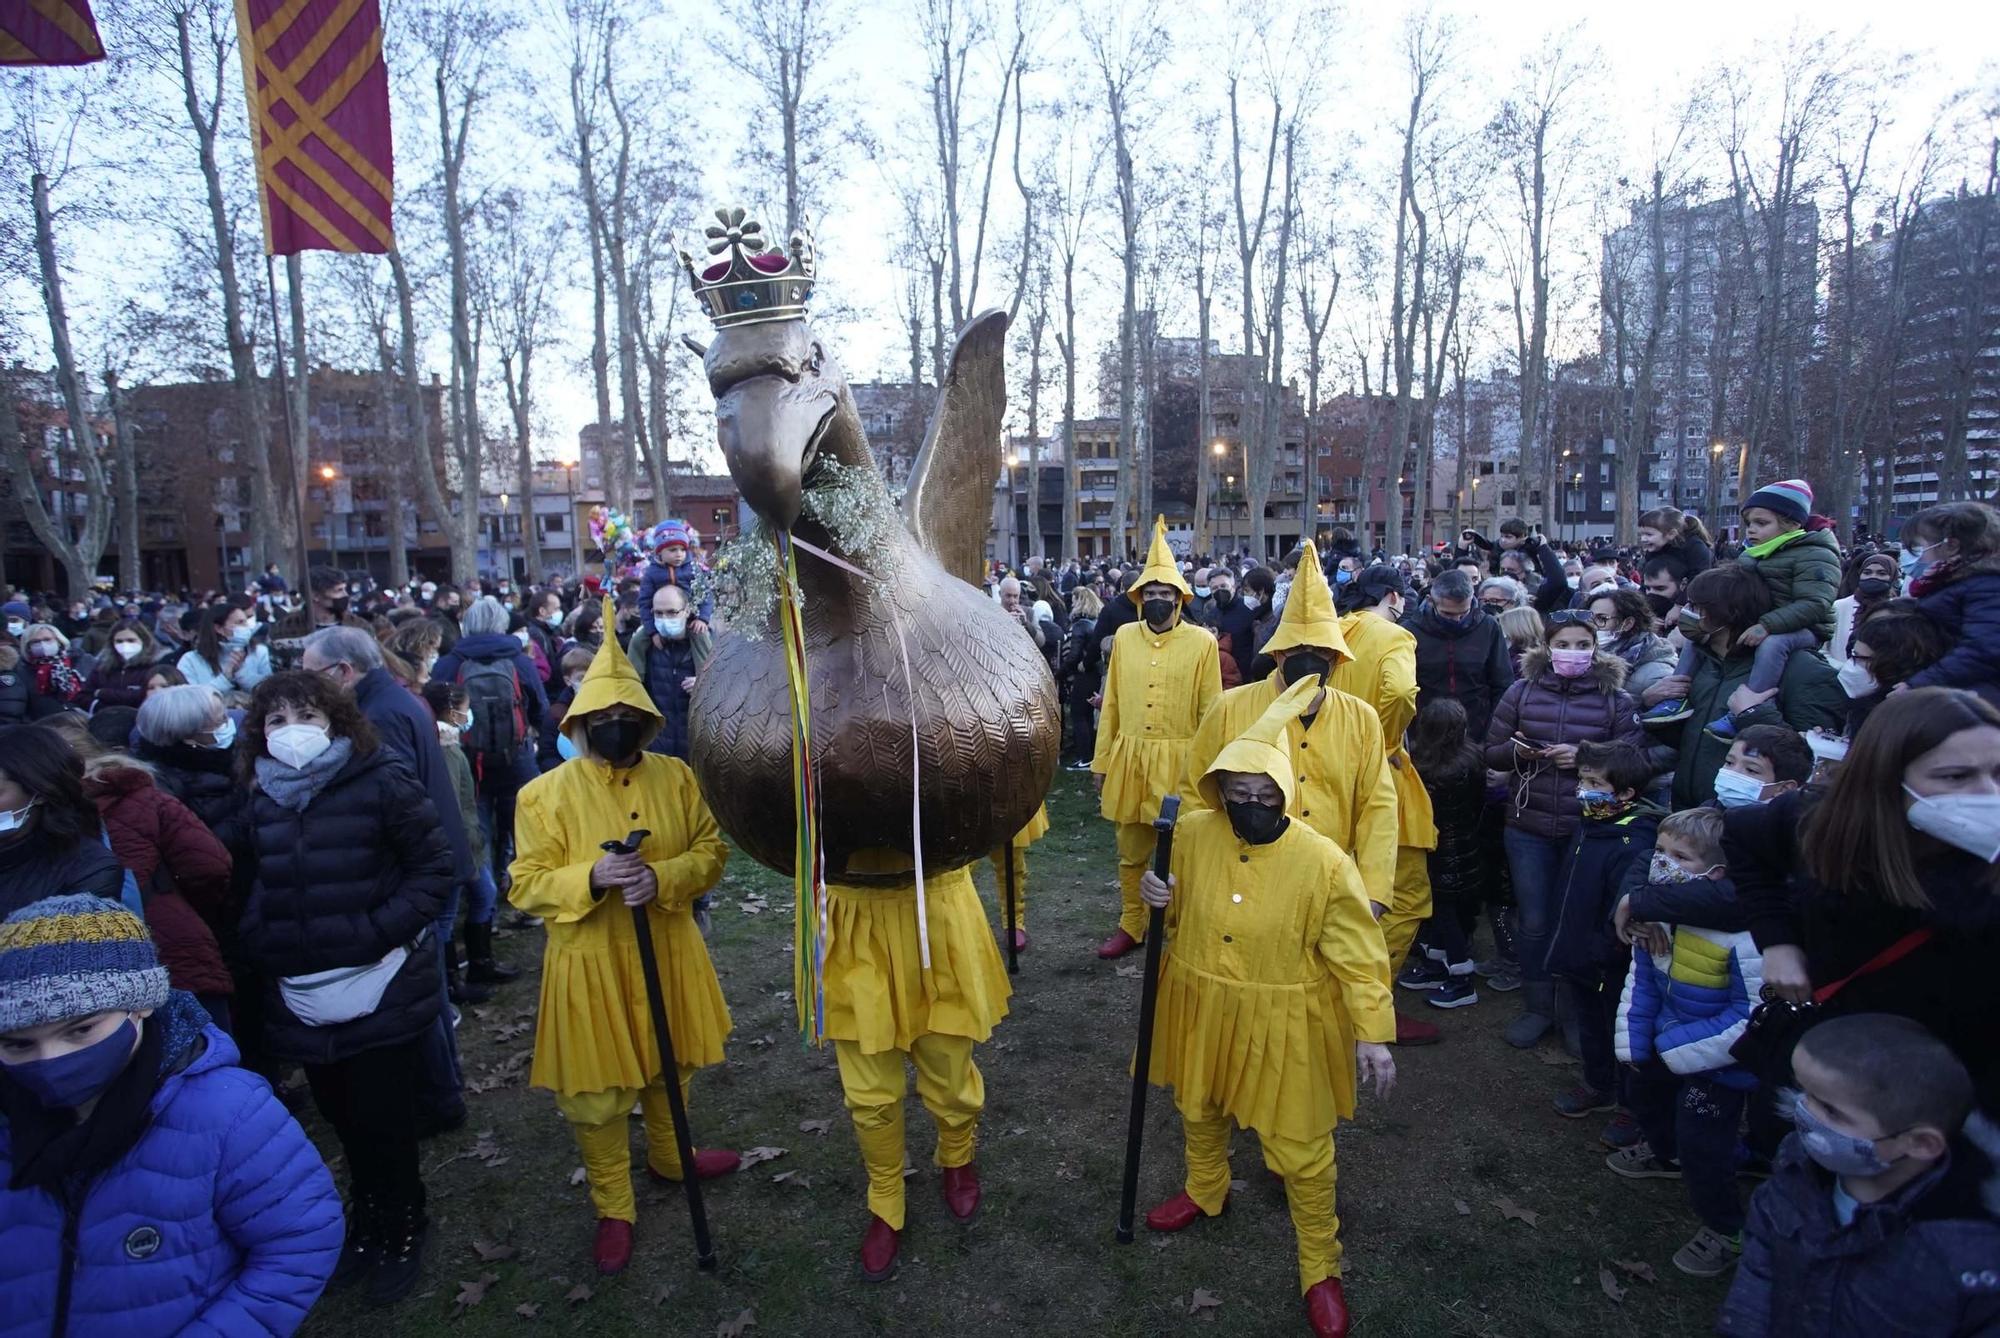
(1156, 930)
(1013, 955)
(656, 1000)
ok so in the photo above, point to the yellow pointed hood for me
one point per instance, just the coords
(1309, 618)
(1264, 748)
(1160, 566)
(610, 681)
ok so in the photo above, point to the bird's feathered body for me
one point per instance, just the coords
(988, 723)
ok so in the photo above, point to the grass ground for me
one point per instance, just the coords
(1428, 1250)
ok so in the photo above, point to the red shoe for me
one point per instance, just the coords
(961, 1191)
(1326, 1309)
(614, 1245)
(1177, 1214)
(709, 1164)
(878, 1251)
(1409, 1031)
(1117, 945)
(1020, 940)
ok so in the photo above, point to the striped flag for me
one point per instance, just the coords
(48, 32)
(319, 113)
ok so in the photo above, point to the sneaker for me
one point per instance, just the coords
(1422, 973)
(1666, 713)
(1709, 1254)
(400, 1264)
(1505, 977)
(1456, 992)
(1723, 727)
(1638, 1163)
(1580, 1101)
(1621, 1132)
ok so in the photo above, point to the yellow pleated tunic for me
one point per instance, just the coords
(876, 992)
(1383, 673)
(1270, 951)
(593, 1029)
(1346, 792)
(1158, 687)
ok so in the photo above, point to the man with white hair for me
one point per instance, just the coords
(1011, 604)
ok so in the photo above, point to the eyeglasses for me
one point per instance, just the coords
(1604, 620)
(1570, 618)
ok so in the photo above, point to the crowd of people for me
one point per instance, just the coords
(1724, 815)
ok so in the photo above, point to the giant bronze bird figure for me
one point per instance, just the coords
(987, 720)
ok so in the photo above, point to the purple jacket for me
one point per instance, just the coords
(1546, 708)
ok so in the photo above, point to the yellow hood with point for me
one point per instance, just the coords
(1160, 566)
(1310, 618)
(1264, 748)
(610, 681)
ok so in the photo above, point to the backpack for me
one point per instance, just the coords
(499, 723)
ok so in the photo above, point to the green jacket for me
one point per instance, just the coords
(1803, 577)
(460, 767)
(1809, 694)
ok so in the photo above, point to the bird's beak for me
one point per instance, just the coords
(769, 430)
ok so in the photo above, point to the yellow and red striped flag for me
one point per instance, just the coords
(48, 32)
(319, 113)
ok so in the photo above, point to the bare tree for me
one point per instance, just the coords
(1070, 189)
(591, 28)
(528, 245)
(779, 47)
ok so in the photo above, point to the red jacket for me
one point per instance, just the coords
(182, 871)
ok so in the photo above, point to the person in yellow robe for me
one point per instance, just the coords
(1382, 671)
(1163, 675)
(1015, 852)
(1346, 790)
(594, 1041)
(885, 1010)
(1273, 960)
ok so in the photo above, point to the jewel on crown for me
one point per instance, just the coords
(746, 283)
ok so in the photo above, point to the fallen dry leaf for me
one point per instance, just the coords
(528, 1309)
(1162, 1242)
(1017, 1131)
(578, 1294)
(815, 1126)
(1636, 1268)
(1132, 971)
(472, 1293)
(1202, 1301)
(1463, 1208)
(1514, 1212)
(491, 1253)
(1555, 1059)
(756, 1155)
(662, 1292)
(736, 1328)
(578, 1176)
(1606, 1280)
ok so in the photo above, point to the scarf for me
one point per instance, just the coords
(1770, 546)
(296, 787)
(1936, 578)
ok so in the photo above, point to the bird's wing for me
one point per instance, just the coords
(949, 502)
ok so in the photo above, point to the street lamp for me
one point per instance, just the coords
(327, 474)
(1013, 524)
(1475, 502)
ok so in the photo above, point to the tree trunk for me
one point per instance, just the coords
(394, 462)
(464, 556)
(79, 553)
(1038, 322)
(79, 568)
(1204, 459)
(299, 422)
(465, 358)
(131, 575)
(1263, 466)
(1072, 504)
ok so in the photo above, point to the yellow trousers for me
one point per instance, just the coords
(1409, 904)
(1308, 1171)
(951, 1089)
(598, 1119)
(1136, 842)
(999, 855)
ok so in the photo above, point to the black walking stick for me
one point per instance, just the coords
(1013, 955)
(1156, 930)
(656, 999)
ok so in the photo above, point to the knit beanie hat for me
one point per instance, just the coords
(14, 608)
(1790, 498)
(72, 956)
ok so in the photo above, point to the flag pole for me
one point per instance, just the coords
(293, 467)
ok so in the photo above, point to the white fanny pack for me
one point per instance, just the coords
(327, 998)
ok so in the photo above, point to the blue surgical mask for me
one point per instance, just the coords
(1342, 576)
(1838, 1151)
(1733, 789)
(225, 734)
(565, 748)
(67, 1081)
(672, 628)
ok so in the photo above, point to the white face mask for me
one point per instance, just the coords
(1856, 680)
(241, 636)
(522, 636)
(15, 627)
(128, 650)
(42, 650)
(1606, 638)
(13, 820)
(225, 734)
(1252, 603)
(298, 745)
(1733, 789)
(1969, 821)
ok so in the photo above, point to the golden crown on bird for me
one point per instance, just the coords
(917, 642)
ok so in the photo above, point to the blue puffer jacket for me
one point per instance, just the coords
(221, 1220)
(1922, 1263)
(1687, 1008)
(1967, 606)
(1605, 861)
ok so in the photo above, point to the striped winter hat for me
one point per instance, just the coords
(72, 956)
(1791, 498)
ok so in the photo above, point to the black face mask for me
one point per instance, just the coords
(1661, 605)
(1157, 611)
(1258, 824)
(615, 739)
(337, 607)
(1301, 665)
(1224, 598)
(1872, 587)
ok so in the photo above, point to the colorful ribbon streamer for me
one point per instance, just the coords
(810, 925)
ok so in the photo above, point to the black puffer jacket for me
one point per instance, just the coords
(1546, 708)
(33, 867)
(364, 869)
(1458, 870)
(1469, 664)
(19, 700)
(201, 778)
